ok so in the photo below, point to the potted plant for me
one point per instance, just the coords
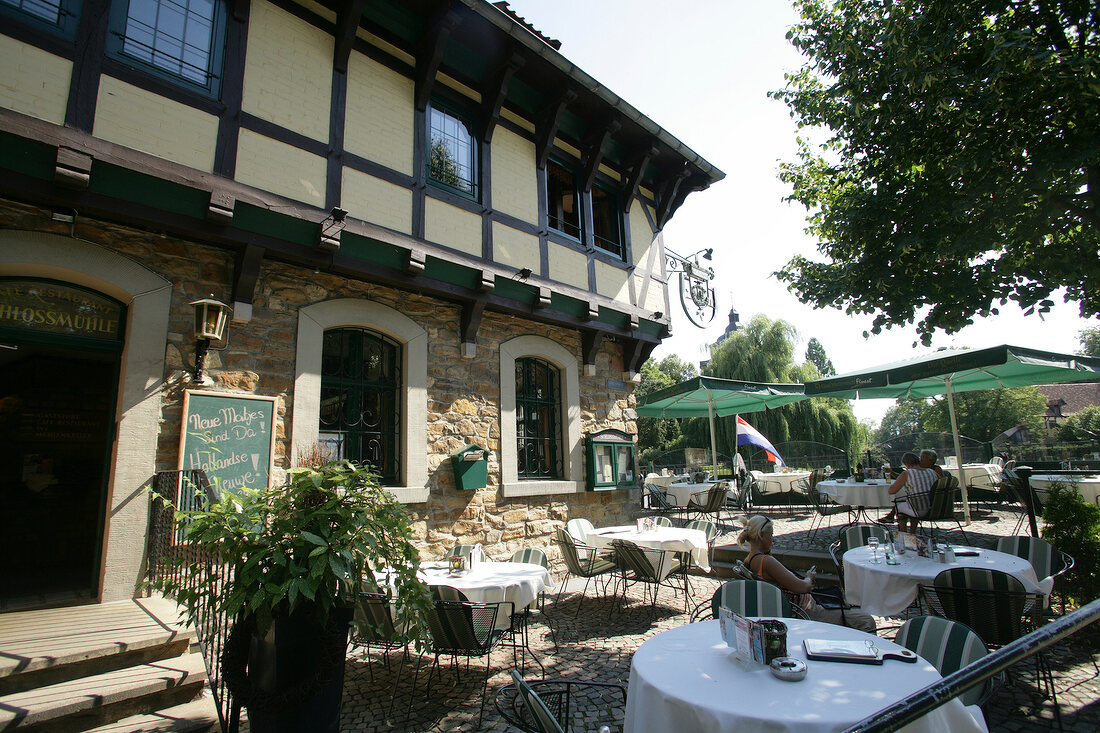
(301, 553)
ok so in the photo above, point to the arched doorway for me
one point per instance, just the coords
(60, 349)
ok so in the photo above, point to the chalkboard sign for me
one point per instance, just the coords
(230, 436)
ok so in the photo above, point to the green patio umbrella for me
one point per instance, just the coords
(711, 396)
(948, 371)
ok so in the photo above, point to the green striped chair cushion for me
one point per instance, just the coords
(947, 645)
(374, 617)
(1036, 551)
(543, 719)
(460, 551)
(584, 567)
(857, 535)
(532, 555)
(662, 521)
(990, 602)
(751, 598)
(710, 529)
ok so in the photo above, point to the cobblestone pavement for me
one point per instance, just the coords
(596, 643)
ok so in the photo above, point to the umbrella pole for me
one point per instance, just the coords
(958, 450)
(713, 442)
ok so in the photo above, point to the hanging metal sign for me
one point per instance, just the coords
(696, 291)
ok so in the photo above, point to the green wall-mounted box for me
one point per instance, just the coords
(471, 466)
(610, 456)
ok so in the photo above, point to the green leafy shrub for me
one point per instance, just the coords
(1073, 526)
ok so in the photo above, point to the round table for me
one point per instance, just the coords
(669, 539)
(1087, 486)
(887, 590)
(778, 482)
(686, 680)
(870, 493)
(518, 582)
(679, 494)
(980, 475)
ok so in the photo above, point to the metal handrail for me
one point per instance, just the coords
(923, 701)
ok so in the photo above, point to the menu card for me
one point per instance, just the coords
(744, 636)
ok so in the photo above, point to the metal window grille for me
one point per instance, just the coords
(41, 9)
(563, 203)
(451, 154)
(174, 35)
(361, 397)
(538, 406)
(606, 222)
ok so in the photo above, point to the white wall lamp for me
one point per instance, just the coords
(211, 321)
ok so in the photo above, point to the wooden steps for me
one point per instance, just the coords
(124, 666)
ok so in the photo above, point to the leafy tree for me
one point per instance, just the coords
(442, 166)
(1090, 341)
(660, 434)
(1082, 425)
(959, 165)
(815, 354)
(903, 418)
(985, 414)
(763, 351)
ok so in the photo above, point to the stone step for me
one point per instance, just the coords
(198, 716)
(82, 704)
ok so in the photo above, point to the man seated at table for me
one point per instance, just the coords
(917, 481)
(758, 536)
(928, 459)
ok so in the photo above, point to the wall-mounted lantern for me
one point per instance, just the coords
(211, 320)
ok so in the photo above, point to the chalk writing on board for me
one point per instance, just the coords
(229, 436)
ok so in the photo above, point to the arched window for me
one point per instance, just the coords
(538, 421)
(361, 398)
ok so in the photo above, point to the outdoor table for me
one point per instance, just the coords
(887, 590)
(686, 680)
(669, 539)
(679, 494)
(1087, 486)
(779, 481)
(979, 475)
(518, 582)
(860, 495)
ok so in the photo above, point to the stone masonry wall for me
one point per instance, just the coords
(463, 394)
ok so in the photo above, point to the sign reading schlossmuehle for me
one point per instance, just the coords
(51, 307)
(230, 436)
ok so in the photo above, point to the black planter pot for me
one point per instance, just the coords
(294, 678)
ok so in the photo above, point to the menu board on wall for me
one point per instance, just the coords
(230, 436)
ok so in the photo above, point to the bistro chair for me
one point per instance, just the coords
(535, 556)
(464, 629)
(374, 627)
(748, 598)
(1048, 561)
(855, 535)
(460, 551)
(581, 561)
(548, 706)
(659, 503)
(710, 529)
(948, 646)
(935, 505)
(662, 521)
(997, 608)
(650, 567)
(711, 501)
(823, 505)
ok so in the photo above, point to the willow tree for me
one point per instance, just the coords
(764, 351)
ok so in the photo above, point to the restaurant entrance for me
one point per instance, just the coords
(57, 400)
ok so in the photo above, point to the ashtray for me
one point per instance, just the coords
(789, 669)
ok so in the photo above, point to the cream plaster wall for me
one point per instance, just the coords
(379, 124)
(280, 168)
(515, 248)
(568, 266)
(452, 227)
(147, 296)
(377, 201)
(515, 179)
(34, 82)
(288, 71)
(130, 116)
(612, 282)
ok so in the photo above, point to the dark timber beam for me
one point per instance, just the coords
(637, 169)
(472, 312)
(666, 196)
(547, 125)
(590, 346)
(692, 185)
(348, 16)
(593, 154)
(246, 275)
(496, 91)
(239, 10)
(635, 353)
(431, 53)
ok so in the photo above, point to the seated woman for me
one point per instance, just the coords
(757, 535)
(917, 482)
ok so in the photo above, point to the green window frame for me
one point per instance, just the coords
(563, 200)
(179, 40)
(452, 151)
(57, 16)
(361, 389)
(538, 419)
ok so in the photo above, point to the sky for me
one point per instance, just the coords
(702, 69)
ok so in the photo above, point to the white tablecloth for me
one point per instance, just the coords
(669, 539)
(872, 493)
(1087, 486)
(518, 582)
(981, 475)
(685, 680)
(772, 483)
(679, 494)
(886, 590)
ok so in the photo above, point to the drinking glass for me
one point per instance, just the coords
(872, 542)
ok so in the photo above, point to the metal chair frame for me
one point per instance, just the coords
(556, 697)
(637, 564)
(587, 567)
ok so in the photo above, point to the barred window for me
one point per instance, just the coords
(452, 152)
(538, 424)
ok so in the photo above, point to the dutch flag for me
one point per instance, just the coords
(748, 435)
